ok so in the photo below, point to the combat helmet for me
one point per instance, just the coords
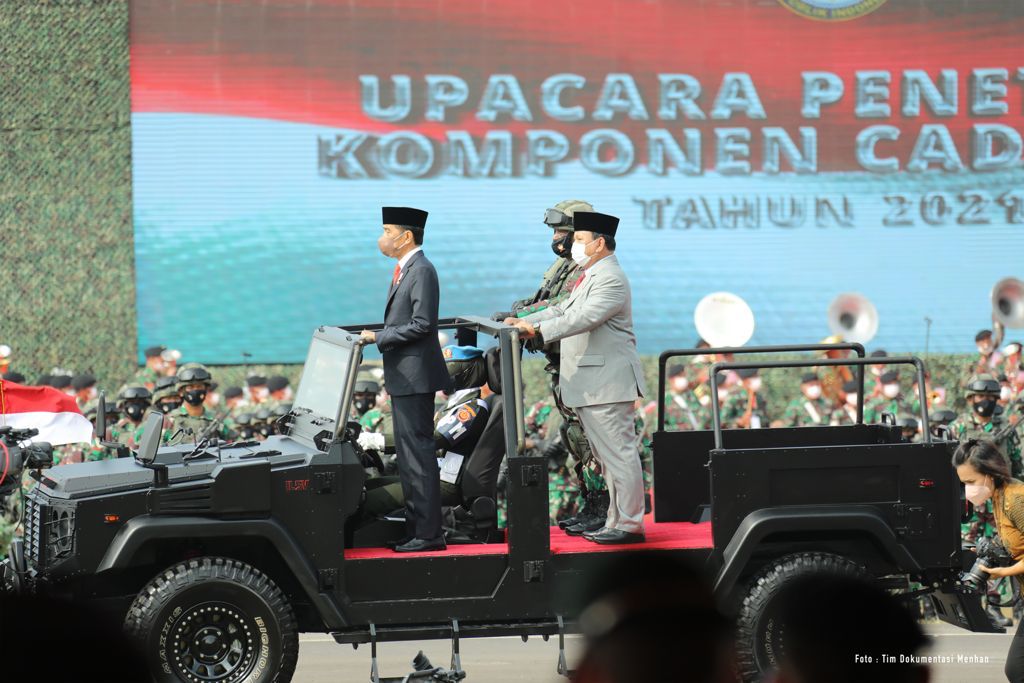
(133, 392)
(983, 383)
(164, 387)
(194, 373)
(560, 215)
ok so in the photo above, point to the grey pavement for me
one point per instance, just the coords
(966, 658)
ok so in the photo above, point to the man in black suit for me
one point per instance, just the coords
(414, 370)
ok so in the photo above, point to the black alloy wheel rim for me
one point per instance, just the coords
(213, 641)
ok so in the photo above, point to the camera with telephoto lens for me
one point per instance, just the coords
(991, 553)
(15, 456)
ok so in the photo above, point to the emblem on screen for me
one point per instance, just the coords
(833, 10)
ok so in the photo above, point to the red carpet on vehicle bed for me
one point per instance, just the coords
(663, 536)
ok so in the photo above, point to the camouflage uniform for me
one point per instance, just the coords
(146, 376)
(807, 412)
(683, 412)
(192, 427)
(379, 421)
(127, 432)
(874, 408)
(736, 407)
(556, 285)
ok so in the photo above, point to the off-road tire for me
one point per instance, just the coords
(758, 634)
(214, 619)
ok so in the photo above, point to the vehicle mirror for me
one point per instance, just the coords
(152, 432)
(101, 417)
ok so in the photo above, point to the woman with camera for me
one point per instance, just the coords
(985, 472)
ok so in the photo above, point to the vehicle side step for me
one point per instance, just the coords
(423, 670)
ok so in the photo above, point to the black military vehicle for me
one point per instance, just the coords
(219, 554)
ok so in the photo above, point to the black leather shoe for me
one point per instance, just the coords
(420, 545)
(614, 537)
(585, 527)
(401, 541)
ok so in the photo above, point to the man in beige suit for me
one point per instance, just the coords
(600, 370)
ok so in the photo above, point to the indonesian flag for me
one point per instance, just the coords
(51, 411)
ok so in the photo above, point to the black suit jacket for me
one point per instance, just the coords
(413, 363)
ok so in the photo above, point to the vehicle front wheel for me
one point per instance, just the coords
(759, 633)
(218, 620)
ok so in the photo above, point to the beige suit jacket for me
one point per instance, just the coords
(599, 360)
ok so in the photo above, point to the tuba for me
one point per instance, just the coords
(853, 317)
(1008, 303)
(724, 319)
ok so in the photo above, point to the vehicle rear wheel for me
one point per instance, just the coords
(759, 635)
(215, 620)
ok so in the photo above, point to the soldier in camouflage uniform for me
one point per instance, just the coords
(133, 400)
(556, 285)
(890, 399)
(846, 414)
(745, 407)
(153, 369)
(683, 411)
(193, 419)
(812, 410)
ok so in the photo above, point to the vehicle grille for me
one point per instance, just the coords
(49, 533)
(34, 527)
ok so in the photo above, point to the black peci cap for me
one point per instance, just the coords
(592, 221)
(890, 377)
(15, 377)
(154, 351)
(60, 381)
(879, 353)
(277, 383)
(403, 215)
(79, 382)
(808, 377)
(851, 387)
(256, 381)
(233, 392)
(674, 370)
(746, 373)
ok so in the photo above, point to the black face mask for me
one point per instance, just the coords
(134, 411)
(363, 404)
(246, 433)
(985, 408)
(566, 246)
(169, 406)
(195, 397)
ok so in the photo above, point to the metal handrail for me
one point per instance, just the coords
(744, 350)
(716, 417)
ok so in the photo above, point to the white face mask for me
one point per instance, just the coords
(755, 383)
(891, 390)
(1005, 394)
(680, 383)
(579, 253)
(978, 494)
(813, 392)
(851, 400)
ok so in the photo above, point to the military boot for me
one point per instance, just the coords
(593, 517)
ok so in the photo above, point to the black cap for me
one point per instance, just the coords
(60, 381)
(592, 221)
(890, 377)
(403, 215)
(80, 382)
(984, 334)
(277, 383)
(746, 373)
(154, 351)
(15, 377)
(44, 380)
(256, 381)
(674, 370)
(851, 387)
(233, 392)
(808, 377)
(879, 353)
